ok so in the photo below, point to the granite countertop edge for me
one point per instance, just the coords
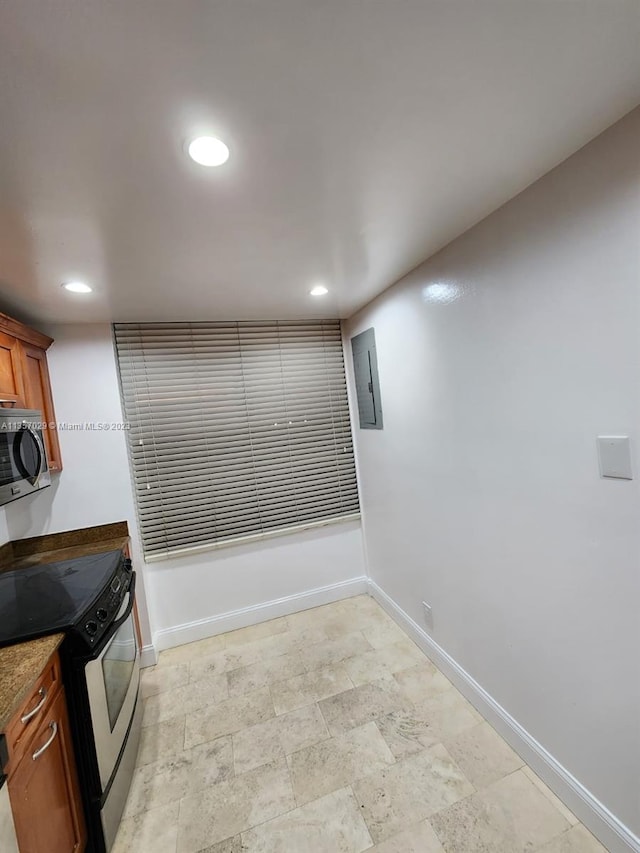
(20, 667)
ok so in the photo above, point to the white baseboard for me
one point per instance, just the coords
(189, 632)
(615, 836)
(148, 656)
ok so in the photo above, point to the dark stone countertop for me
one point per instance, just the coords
(54, 547)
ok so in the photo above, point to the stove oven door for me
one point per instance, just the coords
(113, 679)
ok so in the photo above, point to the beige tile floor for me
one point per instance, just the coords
(327, 732)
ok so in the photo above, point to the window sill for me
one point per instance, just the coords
(160, 556)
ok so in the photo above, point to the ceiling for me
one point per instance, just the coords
(364, 135)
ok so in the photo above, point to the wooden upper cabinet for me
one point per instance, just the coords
(24, 378)
(11, 383)
(37, 392)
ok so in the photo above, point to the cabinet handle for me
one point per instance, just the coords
(45, 746)
(13, 403)
(43, 693)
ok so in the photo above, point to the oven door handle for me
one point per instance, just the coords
(127, 612)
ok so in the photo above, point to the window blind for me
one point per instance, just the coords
(237, 429)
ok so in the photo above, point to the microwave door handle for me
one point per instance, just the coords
(42, 456)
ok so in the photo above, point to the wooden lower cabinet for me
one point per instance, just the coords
(44, 792)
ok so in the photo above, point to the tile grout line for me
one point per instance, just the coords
(327, 638)
(290, 811)
(359, 632)
(362, 817)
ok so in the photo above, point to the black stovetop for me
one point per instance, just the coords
(48, 598)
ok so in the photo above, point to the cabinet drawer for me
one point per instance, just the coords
(27, 719)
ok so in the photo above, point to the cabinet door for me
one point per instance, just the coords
(11, 381)
(44, 793)
(37, 391)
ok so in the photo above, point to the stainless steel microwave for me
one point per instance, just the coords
(24, 467)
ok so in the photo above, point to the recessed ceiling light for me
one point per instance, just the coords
(208, 151)
(319, 290)
(77, 287)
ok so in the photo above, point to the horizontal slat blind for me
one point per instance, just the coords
(237, 429)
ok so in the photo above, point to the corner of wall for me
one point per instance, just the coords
(617, 837)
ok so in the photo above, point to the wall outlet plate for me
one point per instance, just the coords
(428, 615)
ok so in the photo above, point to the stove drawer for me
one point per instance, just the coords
(26, 721)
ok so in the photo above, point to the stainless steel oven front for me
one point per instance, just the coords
(101, 667)
(113, 679)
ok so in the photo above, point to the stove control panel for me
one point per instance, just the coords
(98, 620)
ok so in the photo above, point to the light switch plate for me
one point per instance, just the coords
(614, 453)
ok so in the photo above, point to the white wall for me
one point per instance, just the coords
(501, 359)
(205, 587)
(95, 488)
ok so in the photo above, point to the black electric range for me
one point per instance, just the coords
(91, 599)
(75, 595)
